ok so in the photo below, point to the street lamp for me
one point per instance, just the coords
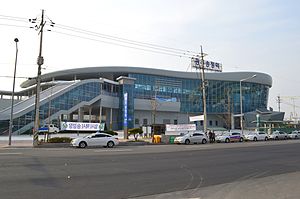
(241, 100)
(12, 96)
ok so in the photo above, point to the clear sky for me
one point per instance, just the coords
(248, 35)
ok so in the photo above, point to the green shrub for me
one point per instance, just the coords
(60, 140)
(135, 132)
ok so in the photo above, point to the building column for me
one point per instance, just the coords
(111, 119)
(232, 122)
(90, 114)
(80, 114)
(100, 114)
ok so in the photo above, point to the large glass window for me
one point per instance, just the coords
(222, 96)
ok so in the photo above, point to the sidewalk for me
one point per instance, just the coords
(28, 143)
(16, 144)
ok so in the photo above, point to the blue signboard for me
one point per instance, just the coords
(125, 109)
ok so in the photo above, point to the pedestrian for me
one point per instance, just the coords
(213, 136)
(210, 136)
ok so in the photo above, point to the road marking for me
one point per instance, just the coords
(11, 153)
(55, 149)
(198, 146)
(113, 150)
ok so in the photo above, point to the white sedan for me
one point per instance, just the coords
(95, 139)
(191, 137)
(255, 136)
(294, 134)
(278, 135)
(230, 137)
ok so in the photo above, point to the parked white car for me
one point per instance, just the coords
(95, 139)
(191, 137)
(230, 137)
(255, 136)
(278, 135)
(294, 134)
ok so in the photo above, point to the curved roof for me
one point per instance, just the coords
(112, 72)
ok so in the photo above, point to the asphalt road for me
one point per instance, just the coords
(143, 171)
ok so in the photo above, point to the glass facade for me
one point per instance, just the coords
(222, 96)
(83, 92)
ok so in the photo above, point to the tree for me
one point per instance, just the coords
(135, 132)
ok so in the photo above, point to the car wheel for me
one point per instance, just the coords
(227, 140)
(241, 139)
(296, 137)
(254, 139)
(82, 145)
(266, 138)
(110, 144)
(204, 141)
(187, 142)
(276, 138)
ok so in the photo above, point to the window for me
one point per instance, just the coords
(166, 121)
(201, 123)
(145, 121)
(210, 123)
(137, 121)
(216, 122)
(175, 121)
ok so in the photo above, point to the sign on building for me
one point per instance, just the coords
(81, 126)
(208, 65)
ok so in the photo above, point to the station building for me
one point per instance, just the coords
(135, 96)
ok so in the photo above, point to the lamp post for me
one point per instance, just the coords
(241, 100)
(12, 96)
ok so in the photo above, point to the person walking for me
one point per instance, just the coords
(213, 136)
(210, 136)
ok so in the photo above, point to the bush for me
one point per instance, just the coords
(135, 132)
(60, 140)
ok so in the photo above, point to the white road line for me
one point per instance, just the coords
(11, 153)
(113, 150)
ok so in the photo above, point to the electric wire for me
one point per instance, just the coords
(127, 46)
(123, 39)
(109, 39)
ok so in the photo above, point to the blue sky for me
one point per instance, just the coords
(256, 35)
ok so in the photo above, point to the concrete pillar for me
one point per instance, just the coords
(232, 122)
(100, 114)
(90, 114)
(111, 119)
(80, 114)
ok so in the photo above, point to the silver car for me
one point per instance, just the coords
(255, 136)
(191, 137)
(293, 134)
(95, 139)
(278, 135)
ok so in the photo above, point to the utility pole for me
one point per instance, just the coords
(199, 64)
(12, 96)
(203, 91)
(40, 62)
(278, 101)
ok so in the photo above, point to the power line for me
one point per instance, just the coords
(19, 26)
(123, 39)
(137, 48)
(8, 76)
(109, 39)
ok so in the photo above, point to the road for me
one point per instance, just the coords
(164, 171)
